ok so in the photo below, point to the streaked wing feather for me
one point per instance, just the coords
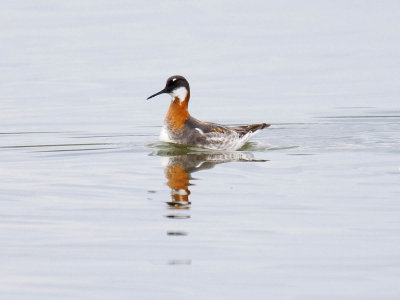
(244, 129)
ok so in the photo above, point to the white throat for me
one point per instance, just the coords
(180, 93)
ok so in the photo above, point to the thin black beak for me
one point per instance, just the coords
(156, 94)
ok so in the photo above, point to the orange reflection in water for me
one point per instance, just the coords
(178, 181)
(178, 170)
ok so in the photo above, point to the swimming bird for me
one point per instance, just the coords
(181, 128)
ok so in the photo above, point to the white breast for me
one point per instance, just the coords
(164, 136)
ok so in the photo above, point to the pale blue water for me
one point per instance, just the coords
(90, 204)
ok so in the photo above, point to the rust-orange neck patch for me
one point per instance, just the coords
(178, 113)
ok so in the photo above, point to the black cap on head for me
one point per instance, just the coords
(173, 83)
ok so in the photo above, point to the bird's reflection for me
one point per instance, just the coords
(180, 163)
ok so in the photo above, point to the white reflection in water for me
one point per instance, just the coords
(179, 167)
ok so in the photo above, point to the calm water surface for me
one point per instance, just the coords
(94, 207)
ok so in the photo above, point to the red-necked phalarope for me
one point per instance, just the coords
(181, 128)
